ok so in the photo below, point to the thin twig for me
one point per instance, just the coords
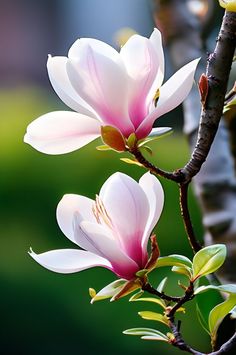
(183, 189)
(147, 287)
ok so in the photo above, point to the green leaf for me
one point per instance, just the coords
(147, 333)
(108, 291)
(174, 260)
(136, 295)
(154, 316)
(218, 313)
(147, 149)
(208, 260)
(141, 273)
(103, 147)
(183, 270)
(132, 140)
(131, 161)
(228, 288)
(162, 284)
(149, 299)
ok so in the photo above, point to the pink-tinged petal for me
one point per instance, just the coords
(67, 261)
(156, 40)
(59, 79)
(100, 241)
(172, 93)
(155, 195)
(140, 59)
(103, 84)
(128, 208)
(72, 206)
(99, 46)
(61, 132)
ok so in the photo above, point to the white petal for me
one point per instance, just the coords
(67, 261)
(156, 40)
(99, 46)
(155, 195)
(102, 83)
(99, 240)
(128, 208)
(140, 59)
(72, 206)
(61, 132)
(172, 93)
(59, 79)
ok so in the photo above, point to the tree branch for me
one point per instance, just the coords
(218, 69)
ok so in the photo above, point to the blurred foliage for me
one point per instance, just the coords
(48, 313)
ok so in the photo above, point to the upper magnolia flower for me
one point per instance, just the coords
(108, 88)
(114, 229)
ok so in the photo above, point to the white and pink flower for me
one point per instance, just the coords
(108, 88)
(113, 230)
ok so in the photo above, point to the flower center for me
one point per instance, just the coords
(100, 213)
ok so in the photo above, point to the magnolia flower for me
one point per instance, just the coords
(113, 230)
(108, 88)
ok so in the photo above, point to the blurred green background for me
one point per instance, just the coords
(47, 313)
(43, 312)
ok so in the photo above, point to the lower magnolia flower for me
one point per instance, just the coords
(114, 229)
(108, 88)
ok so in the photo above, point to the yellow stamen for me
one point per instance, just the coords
(100, 212)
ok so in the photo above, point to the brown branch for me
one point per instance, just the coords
(218, 69)
(196, 246)
(147, 287)
(152, 168)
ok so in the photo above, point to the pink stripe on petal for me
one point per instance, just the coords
(59, 79)
(172, 94)
(102, 83)
(128, 209)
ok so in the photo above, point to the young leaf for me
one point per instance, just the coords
(112, 137)
(108, 291)
(218, 313)
(131, 161)
(136, 296)
(147, 333)
(228, 288)
(132, 140)
(183, 270)
(174, 260)
(162, 285)
(208, 260)
(149, 299)
(154, 316)
(103, 147)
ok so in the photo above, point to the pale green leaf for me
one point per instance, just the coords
(103, 147)
(149, 299)
(132, 140)
(108, 291)
(218, 313)
(154, 316)
(183, 270)
(147, 149)
(208, 260)
(136, 295)
(162, 284)
(174, 260)
(147, 333)
(228, 288)
(131, 161)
